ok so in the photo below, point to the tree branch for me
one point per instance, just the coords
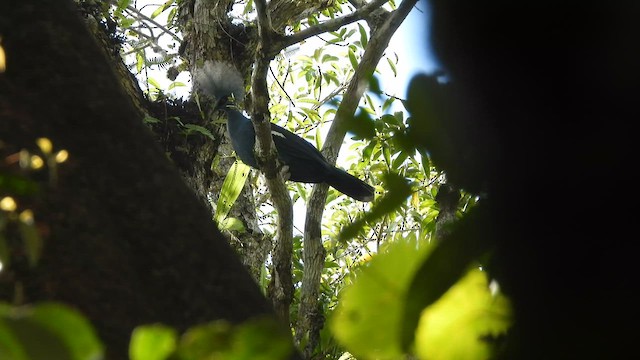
(329, 25)
(335, 137)
(159, 26)
(281, 286)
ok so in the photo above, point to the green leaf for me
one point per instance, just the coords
(261, 339)
(460, 324)
(139, 61)
(387, 103)
(150, 120)
(199, 129)
(231, 188)
(123, 4)
(152, 342)
(46, 331)
(358, 322)
(353, 60)
(153, 83)
(451, 258)
(361, 125)
(368, 150)
(126, 22)
(329, 58)
(232, 224)
(256, 339)
(318, 138)
(386, 152)
(176, 84)
(399, 160)
(363, 36)
(161, 8)
(10, 346)
(398, 190)
(393, 67)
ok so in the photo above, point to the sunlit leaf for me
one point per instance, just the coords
(388, 102)
(154, 83)
(450, 259)
(123, 4)
(126, 22)
(393, 67)
(352, 59)
(152, 342)
(461, 324)
(231, 188)
(139, 61)
(363, 36)
(176, 84)
(231, 224)
(370, 311)
(161, 8)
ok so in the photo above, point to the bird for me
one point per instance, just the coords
(301, 161)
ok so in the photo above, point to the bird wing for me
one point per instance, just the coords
(290, 145)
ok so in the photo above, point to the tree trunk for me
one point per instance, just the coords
(383, 27)
(129, 242)
(208, 33)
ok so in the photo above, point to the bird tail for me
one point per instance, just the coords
(220, 80)
(350, 185)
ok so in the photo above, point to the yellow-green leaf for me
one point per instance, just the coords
(152, 342)
(461, 323)
(353, 60)
(231, 188)
(368, 317)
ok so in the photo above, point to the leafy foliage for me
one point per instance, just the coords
(261, 338)
(377, 254)
(23, 174)
(46, 331)
(380, 284)
(231, 188)
(478, 315)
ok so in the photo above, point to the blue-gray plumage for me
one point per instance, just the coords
(305, 163)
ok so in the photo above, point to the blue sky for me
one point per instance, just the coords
(411, 43)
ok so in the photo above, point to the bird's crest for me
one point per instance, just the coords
(220, 80)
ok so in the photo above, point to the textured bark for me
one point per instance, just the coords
(210, 35)
(280, 289)
(310, 321)
(286, 12)
(130, 244)
(448, 199)
(314, 255)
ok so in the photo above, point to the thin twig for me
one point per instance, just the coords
(330, 25)
(161, 27)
